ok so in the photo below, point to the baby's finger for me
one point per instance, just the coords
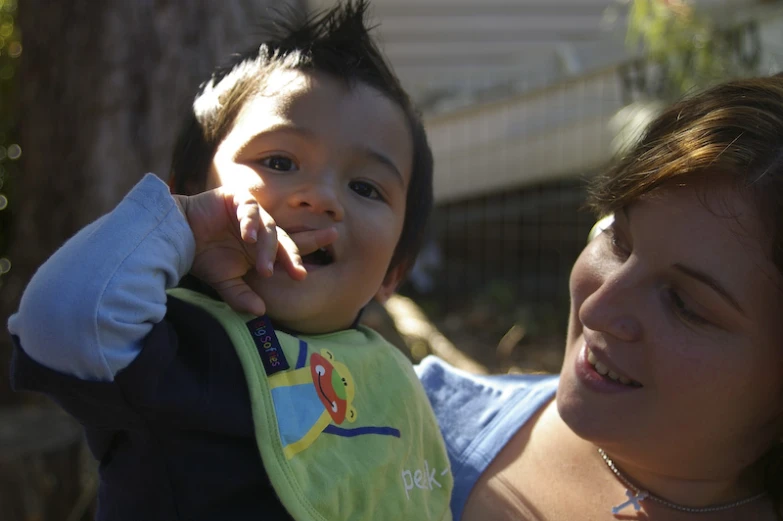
(267, 245)
(308, 242)
(293, 247)
(257, 226)
(249, 217)
(237, 294)
(288, 256)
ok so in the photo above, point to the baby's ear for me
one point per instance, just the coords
(389, 286)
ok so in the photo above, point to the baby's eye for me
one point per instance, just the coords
(365, 189)
(280, 163)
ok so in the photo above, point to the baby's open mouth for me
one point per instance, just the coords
(320, 257)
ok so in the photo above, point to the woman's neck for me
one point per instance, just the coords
(687, 487)
(655, 474)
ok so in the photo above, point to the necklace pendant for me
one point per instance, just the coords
(634, 498)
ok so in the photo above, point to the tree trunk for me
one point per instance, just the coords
(104, 86)
(40, 451)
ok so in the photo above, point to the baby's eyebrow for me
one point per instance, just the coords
(279, 128)
(381, 158)
(286, 128)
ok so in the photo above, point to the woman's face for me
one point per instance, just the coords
(674, 342)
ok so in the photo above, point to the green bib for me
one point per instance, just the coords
(344, 428)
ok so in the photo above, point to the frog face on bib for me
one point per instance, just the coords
(335, 386)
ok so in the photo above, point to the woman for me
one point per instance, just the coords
(669, 405)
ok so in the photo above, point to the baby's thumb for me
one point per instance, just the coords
(238, 295)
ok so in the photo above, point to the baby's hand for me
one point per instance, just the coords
(235, 235)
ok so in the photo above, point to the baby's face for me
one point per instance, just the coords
(316, 154)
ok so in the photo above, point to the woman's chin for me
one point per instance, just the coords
(589, 415)
(575, 412)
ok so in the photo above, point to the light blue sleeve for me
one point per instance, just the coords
(88, 307)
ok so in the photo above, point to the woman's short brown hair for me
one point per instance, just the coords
(732, 132)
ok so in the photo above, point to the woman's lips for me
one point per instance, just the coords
(605, 370)
(599, 375)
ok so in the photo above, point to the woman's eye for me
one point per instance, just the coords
(365, 190)
(682, 309)
(280, 163)
(618, 247)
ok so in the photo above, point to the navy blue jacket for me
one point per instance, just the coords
(173, 432)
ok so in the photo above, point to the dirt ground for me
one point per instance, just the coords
(502, 345)
(483, 337)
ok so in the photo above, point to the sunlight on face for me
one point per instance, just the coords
(680, 301)
(318, 154)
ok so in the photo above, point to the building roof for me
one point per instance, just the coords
(452, 53)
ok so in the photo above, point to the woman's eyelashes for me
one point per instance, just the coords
(619, 246)
(682, 310)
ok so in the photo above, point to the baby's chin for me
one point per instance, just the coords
(304, 306)
(320, 325)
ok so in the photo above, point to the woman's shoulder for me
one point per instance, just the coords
(479, 414)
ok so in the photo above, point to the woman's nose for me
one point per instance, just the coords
(613, 308)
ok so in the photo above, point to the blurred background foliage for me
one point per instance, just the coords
(10, 51)
(692, 48)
